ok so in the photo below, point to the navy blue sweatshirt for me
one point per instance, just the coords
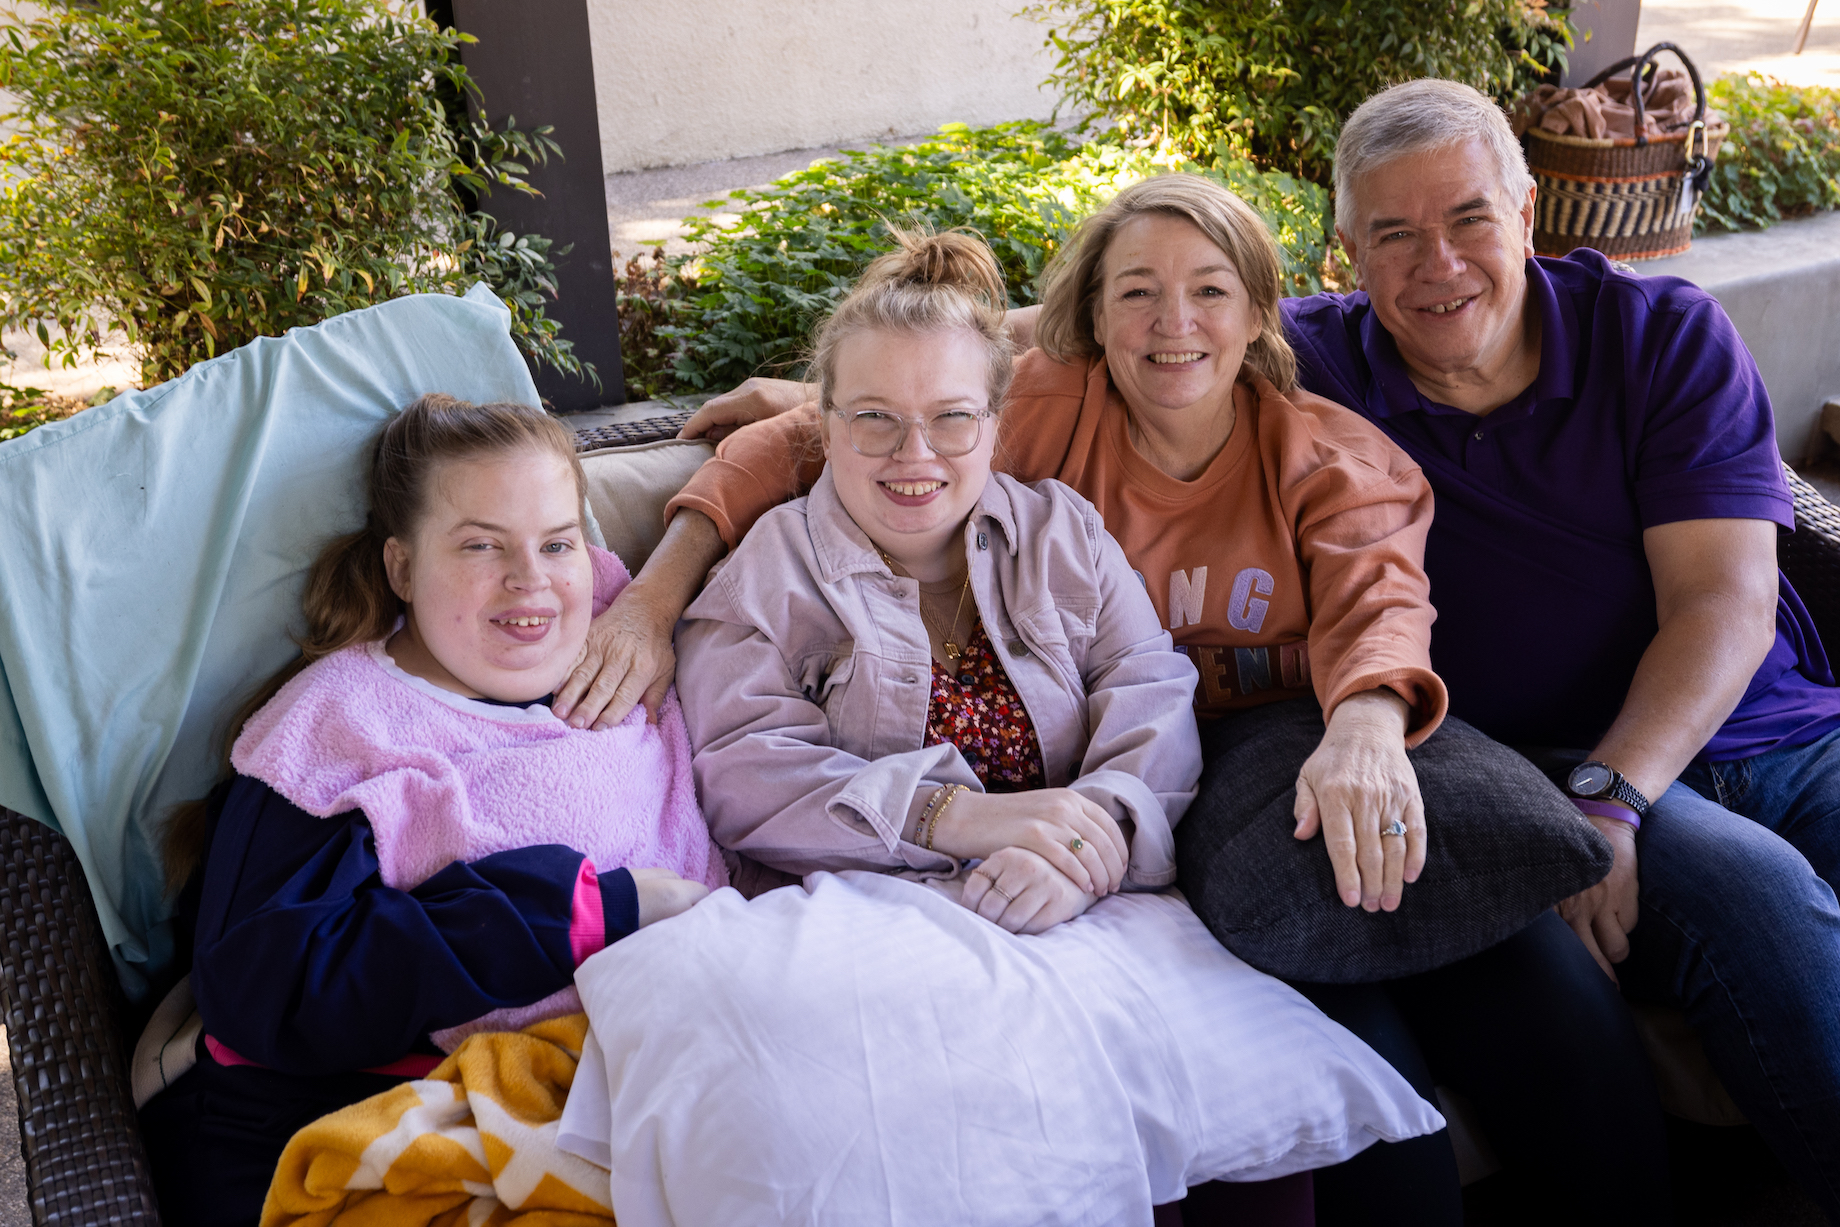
(306, 962)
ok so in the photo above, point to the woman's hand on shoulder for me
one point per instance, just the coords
(1023, 893)
(755, 400)
(662, 894)
(627, 660)
(1070, 833)
(1357, 784)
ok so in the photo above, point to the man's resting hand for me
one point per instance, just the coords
(1604, 915)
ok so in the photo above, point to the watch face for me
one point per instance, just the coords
(1590, 779)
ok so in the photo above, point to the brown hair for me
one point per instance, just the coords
(348, 598)
(929, 283)
(1072, 282)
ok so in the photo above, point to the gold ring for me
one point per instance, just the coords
(999, 889)
(1076, 843)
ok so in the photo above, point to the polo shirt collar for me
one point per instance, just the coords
(1392, 392)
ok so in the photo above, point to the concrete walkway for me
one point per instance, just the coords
(1747, 36)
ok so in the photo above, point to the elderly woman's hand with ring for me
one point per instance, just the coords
(1067, 831)
(1360, 791)
(627, 660)
(629, 657)
(1020, 891)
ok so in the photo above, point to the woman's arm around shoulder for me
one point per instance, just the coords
(754, 470)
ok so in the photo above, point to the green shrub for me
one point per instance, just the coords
(1274, 79)
(197, 173)
(1782, 158)
(746, 304)
(23, 408)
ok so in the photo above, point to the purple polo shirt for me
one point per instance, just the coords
(1647, 409)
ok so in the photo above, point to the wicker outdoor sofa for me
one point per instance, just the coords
(70, 1030)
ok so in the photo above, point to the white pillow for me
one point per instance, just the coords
(870, 1051)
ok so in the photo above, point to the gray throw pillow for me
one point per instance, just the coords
(1503, 845)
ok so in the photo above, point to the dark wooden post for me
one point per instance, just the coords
(533, 62)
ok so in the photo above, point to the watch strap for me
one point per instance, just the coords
(1622, 790)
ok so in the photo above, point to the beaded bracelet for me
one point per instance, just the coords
(949, 793)
(926, 811)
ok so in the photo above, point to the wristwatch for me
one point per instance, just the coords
(1596, 781)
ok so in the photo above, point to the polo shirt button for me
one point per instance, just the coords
(1478, 434)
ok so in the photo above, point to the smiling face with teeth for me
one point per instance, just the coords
(911, 504)
(496, 577)
(1441, 249)
(1174, 320)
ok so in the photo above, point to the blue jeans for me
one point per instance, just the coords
(1738, 924)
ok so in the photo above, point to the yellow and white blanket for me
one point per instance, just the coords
(471, 1145)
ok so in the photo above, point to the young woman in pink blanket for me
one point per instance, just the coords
(412, 846)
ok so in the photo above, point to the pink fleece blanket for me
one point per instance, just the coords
(444, 778)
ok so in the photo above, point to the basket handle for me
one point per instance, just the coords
(1642, 63)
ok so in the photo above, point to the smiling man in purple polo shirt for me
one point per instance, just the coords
(1603, 562)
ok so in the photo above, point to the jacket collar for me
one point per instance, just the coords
(842, 548)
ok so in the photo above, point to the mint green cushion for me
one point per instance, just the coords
(151, 562)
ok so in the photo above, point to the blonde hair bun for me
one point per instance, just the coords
(928, 283)
(955, 259)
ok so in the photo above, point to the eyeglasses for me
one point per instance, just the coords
(876, 434)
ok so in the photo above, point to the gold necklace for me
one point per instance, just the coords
(949, 641)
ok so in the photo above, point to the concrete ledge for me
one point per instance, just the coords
(1781, 287)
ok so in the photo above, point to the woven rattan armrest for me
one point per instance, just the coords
(1810, 558)
(77, 1125)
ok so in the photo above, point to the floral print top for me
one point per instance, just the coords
(977, 709)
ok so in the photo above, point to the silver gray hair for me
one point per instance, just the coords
(1416, 117)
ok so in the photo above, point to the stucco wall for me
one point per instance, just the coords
(682, 81)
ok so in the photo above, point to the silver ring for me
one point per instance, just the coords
(1395, 827)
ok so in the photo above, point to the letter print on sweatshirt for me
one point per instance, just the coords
(1186, 598)
(1246, 612)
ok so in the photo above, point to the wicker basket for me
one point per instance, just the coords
(1630, 198)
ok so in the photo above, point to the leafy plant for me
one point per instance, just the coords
(651, 296)
(21, 409)
(1782, 158)
(197, 173)
(1274, 79)
(746, 304)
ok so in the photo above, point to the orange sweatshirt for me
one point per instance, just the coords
(1296, 561)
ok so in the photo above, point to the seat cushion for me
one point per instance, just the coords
(629, 486)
